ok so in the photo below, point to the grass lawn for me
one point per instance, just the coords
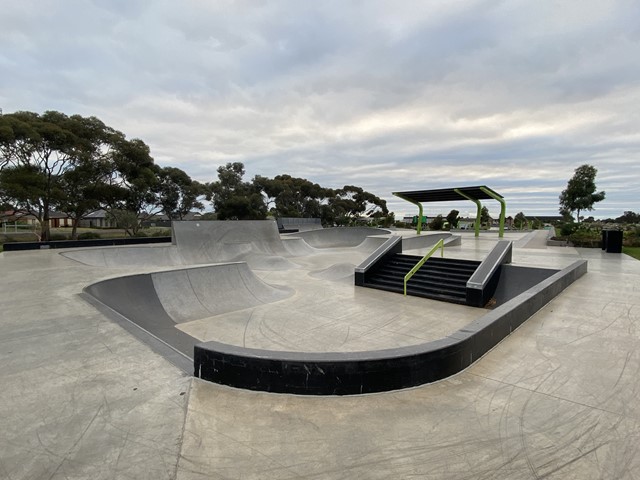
(632, 252)
(65, 234)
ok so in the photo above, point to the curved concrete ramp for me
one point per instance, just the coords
(428, 240)
(255, 241)
(223, 241)
(143, 256)
(157, 301)
(338, 237)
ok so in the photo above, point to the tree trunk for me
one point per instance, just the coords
(44, 225)
(74, 228)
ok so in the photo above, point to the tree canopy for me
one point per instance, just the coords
(234, 199)
(580, 193)
(72, 163)
(77, 165)
(453, 218)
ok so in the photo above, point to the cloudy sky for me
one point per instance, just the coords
(386, 95)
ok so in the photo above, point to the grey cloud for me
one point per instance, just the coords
(418, 95)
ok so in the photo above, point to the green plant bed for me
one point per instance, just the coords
(632, 252)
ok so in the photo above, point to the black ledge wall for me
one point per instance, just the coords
(376, 371)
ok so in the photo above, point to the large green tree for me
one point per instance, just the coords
(72, 163)
(178, 194)
(350, 202)
(293, 197)
(580, 193)
(234, 199)
(35, 152)
(132, 191)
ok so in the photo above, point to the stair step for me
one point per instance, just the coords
(427, 270)
(458, 299)
(418, 287)
(442, 279)
(416, 280)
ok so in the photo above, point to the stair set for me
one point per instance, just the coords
(442, 279)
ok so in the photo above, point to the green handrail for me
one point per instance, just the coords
(433, 250)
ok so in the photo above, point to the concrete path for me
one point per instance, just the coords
(82, 398)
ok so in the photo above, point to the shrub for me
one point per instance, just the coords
(140, 234)
(57, 236)
(568, 228)
(89, 236)
(162, 233)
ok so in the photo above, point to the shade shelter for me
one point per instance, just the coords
(474, 194)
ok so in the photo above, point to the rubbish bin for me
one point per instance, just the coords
(612, 241)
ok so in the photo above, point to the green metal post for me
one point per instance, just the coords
(503, 208)
(419, 229)
(479, 209)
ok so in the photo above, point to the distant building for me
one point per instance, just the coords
(97, 219)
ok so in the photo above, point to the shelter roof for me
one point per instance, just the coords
(447, 194)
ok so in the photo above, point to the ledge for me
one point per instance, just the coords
(338, 373)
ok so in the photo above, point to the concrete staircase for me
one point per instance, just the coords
(443, 279)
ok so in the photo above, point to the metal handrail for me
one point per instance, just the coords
(407, 277)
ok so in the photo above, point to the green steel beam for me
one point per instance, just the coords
(478, 204)
(503, 208)
(419, 229)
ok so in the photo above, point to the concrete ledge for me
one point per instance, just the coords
(338, 373)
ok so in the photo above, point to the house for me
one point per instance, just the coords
(97, 219)
(59, 219)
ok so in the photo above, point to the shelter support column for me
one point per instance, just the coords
(478, 212)
(419, 227)
(503, 208)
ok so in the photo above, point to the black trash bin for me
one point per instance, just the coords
(612, 241)
(604, 239)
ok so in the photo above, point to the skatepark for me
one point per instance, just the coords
(91, 391)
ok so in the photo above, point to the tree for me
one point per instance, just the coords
(351, 202)
(453, 218)
(35, 151)
(81, 189)
(132, 191)
(437, 223)
(485, 218)
(73, 163)
(234, 199)
(178, 194)
(520, 221)
(629, 217)
(580, 193)
(293, 197)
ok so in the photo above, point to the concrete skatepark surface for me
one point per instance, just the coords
(82, 398)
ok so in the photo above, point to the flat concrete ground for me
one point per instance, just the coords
(82, 398)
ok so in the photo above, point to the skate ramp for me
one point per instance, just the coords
(140, 256)
(428, 240)
(256, 242)
(340, 237)
(157, 301)
(222, 241)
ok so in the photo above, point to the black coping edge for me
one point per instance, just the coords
(338, 373)
(391, 246)
(482, 284)
(101, 242)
